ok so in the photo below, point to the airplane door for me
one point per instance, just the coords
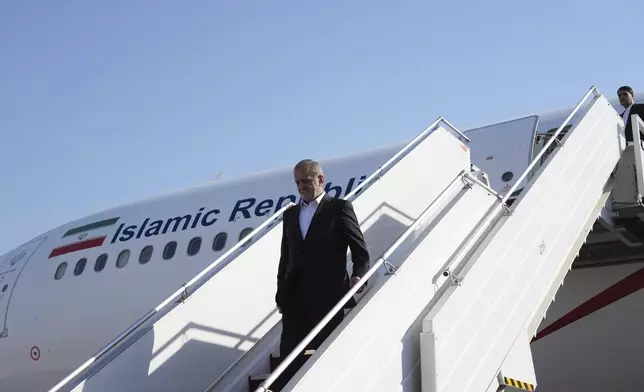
(503, 151)
(11, 266)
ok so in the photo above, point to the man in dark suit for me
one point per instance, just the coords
(627, 99)
(312, 275)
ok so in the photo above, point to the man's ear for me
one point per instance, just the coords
(321, 179)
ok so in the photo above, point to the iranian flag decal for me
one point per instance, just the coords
(83, 243)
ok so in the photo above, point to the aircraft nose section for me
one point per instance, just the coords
(11, 265)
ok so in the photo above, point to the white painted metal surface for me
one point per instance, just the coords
(376, 349)
(504, 149)
(11, 266)
(199, 340)
(518, 364)
(637, 125)
(471, 328)
(463, 181)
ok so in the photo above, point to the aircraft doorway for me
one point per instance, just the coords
(11, 266)
(504, 151)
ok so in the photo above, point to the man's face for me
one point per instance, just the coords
(308, 184)
(625, 98)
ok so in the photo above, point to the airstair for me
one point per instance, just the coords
(458, 284)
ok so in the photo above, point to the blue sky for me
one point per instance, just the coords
(103, 103)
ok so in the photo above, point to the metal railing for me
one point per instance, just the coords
(178, 296)
(637, 125)
(553, 139)
(383, 259)
(263, 387)
(200, 279)
(453, 267)
(377, 175)
(403, 152)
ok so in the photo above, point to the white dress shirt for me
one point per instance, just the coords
(306, 213)
(626, 113)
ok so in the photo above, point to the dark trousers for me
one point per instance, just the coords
(296, 324)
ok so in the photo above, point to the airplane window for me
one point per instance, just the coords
(219, 242)
(4, 288)
(80, 266)
(244, 233)
(168, 251)
(146, 254)
(123, 258)
(60, 271)
(100, 262)
(194, 246)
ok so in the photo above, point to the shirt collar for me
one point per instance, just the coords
(313, 202)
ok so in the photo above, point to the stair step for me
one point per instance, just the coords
(255, 380)
(276, 360)
(511, 384)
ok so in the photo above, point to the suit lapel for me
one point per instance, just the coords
(295, 216)
(318, 216)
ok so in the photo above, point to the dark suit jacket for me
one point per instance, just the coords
(313, 270)
(638, 109)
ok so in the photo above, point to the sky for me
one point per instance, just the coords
(104, 103)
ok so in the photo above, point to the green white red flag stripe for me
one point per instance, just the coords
(84, 243)
(76, 246)
(91, 226)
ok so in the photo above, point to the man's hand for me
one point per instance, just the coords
(354, 281)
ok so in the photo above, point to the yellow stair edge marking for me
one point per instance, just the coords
(518, 384)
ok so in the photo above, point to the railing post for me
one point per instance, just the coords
(637, 125)
(204, 276)
(431, 208)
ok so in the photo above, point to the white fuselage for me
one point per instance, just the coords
(68, 292)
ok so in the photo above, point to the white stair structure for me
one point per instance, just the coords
(458, 285)
(198, 333)
(512, 275)
(484, 302)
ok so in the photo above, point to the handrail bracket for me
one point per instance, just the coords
(507, 211)
(184, 294)
(453, 279)
(391, 269)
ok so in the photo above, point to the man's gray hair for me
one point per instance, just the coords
(311, 165)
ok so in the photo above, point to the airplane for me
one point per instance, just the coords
(71, 290)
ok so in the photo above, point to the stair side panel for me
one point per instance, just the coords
(199, 340)
(376, 350)
(480, 319)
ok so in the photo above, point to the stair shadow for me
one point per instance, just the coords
(199, 354)
(194, 351)
(380, 228)
(388, 224)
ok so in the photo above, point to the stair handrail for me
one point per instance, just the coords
(404, 151)
(453, 266)
(378, 173)
(178, 296)
(200, 279)
(637, 126)
(553, 139)
(431, 208)
(263, 387)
